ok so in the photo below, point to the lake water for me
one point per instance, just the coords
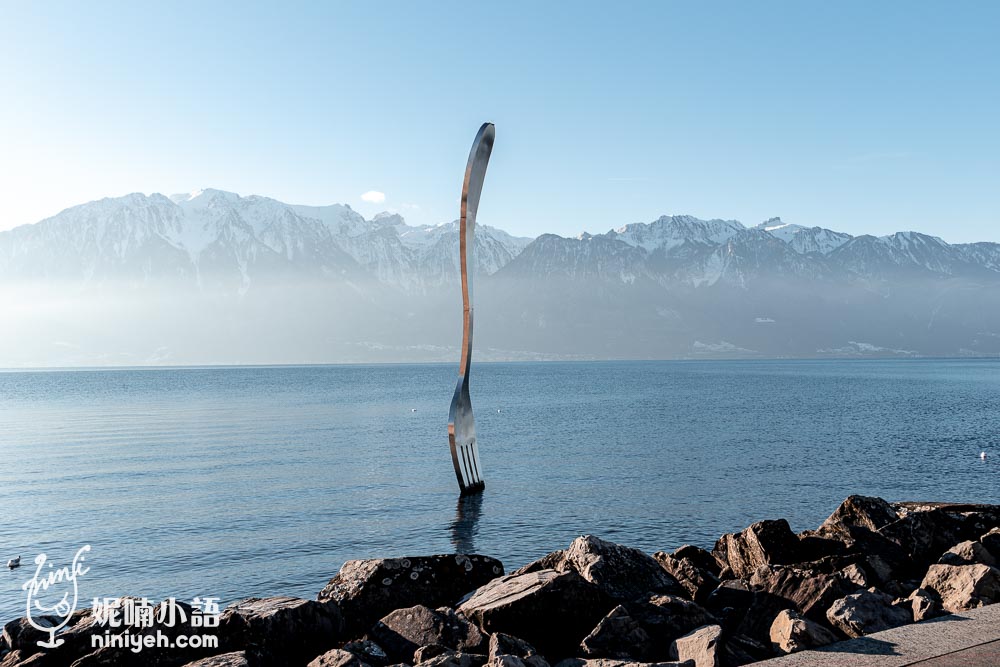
(231, 482)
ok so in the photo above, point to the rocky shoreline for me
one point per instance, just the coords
(765, 591)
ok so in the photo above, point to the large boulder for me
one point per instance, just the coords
(280, 630)
(866, 612)
(552, 610)
(925, 531)
(743, 611)
(808, 592)
(509, 651)
(621, 572)
(21, 635)
(665, 618)
(763, 543)
(857, 524)
(991, 540)
(700, 646)
(962, 587)
(551, 561)
(790, 632)
(968, 553)
(617, 635)
(865, 512)
(697, 580)
(700, 557)
(403, 631)
(367, 590)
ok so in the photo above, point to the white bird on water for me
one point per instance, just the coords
(14, 562)
(982, 455)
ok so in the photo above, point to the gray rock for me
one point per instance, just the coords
(20, 635)
(452, 659)
(369, 652)
(403, 631)
(510, 651)
(700, 646)
(234, 659)
(504, 644)
(12, 658)
(962, 587)
(991, 541)
(856, 576)
(763, 543)
(621, 572)
(866, 612)
(700, 557)
(280, 630)
(925, 531)
(507, 661)
(698, 582)
(553, 611)
(367, 590)
(425, 653)
(337, 658)
(924, 605)
(968, 553)
(808, 592)
(665, 618)
(617, 635)
(552, 561)
(791, 632)
(859, 512)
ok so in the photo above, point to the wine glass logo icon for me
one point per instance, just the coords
(60, 601)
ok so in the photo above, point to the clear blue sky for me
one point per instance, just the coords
(860, 116)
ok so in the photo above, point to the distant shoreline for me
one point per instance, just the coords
(914, 358)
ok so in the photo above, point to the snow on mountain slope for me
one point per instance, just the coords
(805, 239)
(669, 231)
(225, 239)
(877, 257)
(817, 239)
(121, 236)
(600, 257)
(782, 230)
(984, 254)
(217, 237)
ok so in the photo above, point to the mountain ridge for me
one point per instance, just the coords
(147, 236)
(213, 277)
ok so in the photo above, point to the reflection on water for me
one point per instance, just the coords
(465, 525)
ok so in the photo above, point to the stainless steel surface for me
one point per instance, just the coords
(461, 423)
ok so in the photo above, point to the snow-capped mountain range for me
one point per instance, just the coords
(221, 238)
(682, 250)
(213, 277)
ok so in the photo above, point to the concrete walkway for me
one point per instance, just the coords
(969, 639)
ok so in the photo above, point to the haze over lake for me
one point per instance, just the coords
(262, 481)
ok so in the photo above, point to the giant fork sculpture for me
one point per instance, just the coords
(461, 423)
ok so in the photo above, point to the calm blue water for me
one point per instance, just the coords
(262, 481)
